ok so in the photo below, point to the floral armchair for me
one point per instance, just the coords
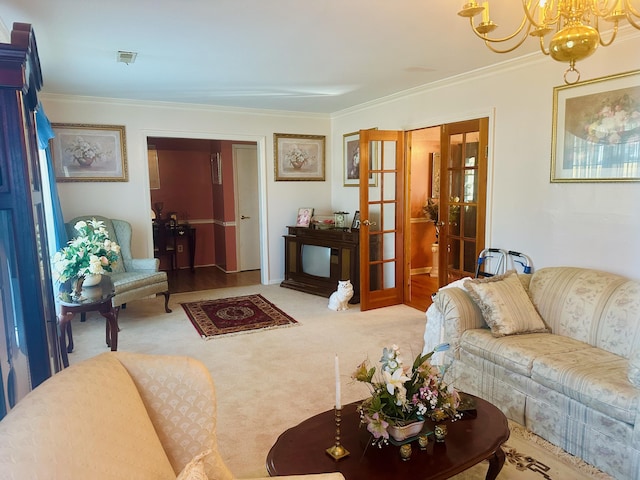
(133, 278)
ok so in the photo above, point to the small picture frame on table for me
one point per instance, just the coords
(304, 217)
(355, 224)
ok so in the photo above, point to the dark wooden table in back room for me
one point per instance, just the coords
(476, 437)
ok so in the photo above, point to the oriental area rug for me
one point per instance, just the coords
(235, 315)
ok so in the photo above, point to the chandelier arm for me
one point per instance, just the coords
(613, 36)
(503, 39)
(632, 11)
(543, 49)
(510, 49)
(632, 21)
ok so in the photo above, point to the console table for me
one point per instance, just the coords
(343, 257)
(167, 236)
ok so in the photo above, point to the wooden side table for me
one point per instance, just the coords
(91, 299)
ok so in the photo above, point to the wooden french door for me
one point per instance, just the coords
(463, 187)
(382, 195)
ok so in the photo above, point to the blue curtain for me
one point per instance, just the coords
(45, 133)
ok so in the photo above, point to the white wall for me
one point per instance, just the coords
(131, 200)
(583, 224)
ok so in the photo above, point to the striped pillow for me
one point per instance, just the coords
(505, 305)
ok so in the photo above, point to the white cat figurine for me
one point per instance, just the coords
(339, 300)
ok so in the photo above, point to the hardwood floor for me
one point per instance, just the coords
(206, 278)
(422, 287)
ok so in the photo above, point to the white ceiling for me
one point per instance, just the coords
(298, 55)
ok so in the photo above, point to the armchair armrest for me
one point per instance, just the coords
(459, 313)
(138, 264)
(179, 396)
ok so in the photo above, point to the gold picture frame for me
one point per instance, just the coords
(299, 157)
(351, 159)
(596, 130)
(89, 153)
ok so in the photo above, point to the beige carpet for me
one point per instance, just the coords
(270, 380)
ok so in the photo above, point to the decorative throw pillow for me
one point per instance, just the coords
(194, 470)
(505, 304)
(633, 372)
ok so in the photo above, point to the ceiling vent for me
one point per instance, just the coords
(127, 57)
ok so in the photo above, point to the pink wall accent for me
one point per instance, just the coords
(185, 188)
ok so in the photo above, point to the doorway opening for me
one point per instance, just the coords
(194, 203)
(423, 158)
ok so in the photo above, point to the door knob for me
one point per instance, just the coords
(368, 223)
(242, 217)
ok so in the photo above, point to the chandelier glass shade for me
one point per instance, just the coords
(568, 30)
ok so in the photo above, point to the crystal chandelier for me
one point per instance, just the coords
(574, 24)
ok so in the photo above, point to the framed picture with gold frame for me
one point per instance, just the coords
(351, 163)
(299, 157)
(89, 153)
(596, 130)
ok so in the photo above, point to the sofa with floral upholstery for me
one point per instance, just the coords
(118, 416)
(558, 351)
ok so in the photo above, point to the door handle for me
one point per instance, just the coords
(368, 223)
(242, 217)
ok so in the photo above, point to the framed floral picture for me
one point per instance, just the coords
(596, 130)
(89, 153)
(351, 163)
(299, 157)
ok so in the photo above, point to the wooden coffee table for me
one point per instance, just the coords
(476, 437)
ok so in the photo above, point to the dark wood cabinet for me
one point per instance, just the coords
(28, 339)
(316, 259)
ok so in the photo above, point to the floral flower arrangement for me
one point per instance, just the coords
(91, 252)
(84, 152)
(401, 394)
(297, 157)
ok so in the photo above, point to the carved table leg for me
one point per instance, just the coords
(65, 332)
(111, 329)
(496, 461)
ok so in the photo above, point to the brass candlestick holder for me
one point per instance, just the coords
(337, 451)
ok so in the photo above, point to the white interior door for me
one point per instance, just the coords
(245, 168)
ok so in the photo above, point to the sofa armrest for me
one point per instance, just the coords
(179, 396)
(133, 264)
(459, 313)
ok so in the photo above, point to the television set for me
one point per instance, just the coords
(316, 259)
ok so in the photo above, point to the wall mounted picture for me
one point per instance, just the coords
(435, 175)
(304, 217)
(89, 153)
(299, 157)
(596, 130)
(351, 163)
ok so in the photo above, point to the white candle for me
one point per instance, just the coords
(337, 367)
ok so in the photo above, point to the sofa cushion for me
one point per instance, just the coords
(505, 304)
(517, 353)
(87, 421)
(599, 308)
(593, 377)
(125, 281)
